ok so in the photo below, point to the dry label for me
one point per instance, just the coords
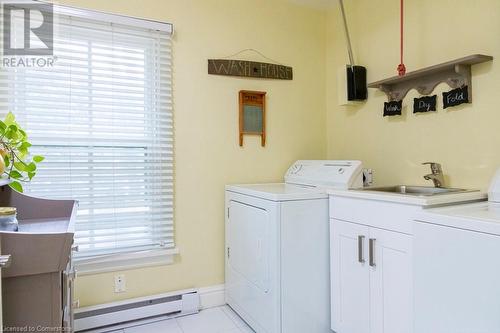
(424, 104)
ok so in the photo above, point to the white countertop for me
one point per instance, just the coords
(424, 201)
(479, 216)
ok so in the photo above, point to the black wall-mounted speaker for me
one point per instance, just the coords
(356, 83)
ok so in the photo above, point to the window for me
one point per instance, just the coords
(102, 117)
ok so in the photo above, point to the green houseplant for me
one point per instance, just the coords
(16, 163)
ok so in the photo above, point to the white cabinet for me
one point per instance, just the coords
(371, 275)
(395, 267)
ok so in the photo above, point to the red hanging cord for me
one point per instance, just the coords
(401, 66)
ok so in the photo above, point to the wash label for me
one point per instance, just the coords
(393, 108)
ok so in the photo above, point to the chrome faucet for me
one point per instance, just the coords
(437, 174)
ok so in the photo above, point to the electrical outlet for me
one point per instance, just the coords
(120, 286)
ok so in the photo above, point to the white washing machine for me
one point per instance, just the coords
(277, 247)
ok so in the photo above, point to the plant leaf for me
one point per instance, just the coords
(22, 153)
(24, 145)
(6, 159)
(8, 134)
(15, 174)
(31, 167)
(21, 166)
(38, 158)
(31, 175)
(23, 133)
(11, 131)
(9, 119)
(16, 186)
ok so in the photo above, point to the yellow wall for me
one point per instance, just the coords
(206, 123)
(465, 139)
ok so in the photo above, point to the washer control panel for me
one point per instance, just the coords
(337, 174)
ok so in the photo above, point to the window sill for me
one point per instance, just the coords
(121, 262)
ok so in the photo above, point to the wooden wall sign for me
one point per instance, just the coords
(253, 114)
(424, 104)
(456, 97)
(393, 108)
(249, 69)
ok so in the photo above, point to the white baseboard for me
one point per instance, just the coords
(212, 296)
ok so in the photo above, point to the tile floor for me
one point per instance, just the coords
(215, 320)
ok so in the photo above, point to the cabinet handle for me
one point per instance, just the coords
(371, 248)
(5, 261)
(361, 239)
(72, 275)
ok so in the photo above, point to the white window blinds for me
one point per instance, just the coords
(102, 117)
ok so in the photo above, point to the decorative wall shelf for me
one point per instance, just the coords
(456, 73)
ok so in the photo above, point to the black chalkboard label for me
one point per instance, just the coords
(393, 108)
(456, 97)
(424, 104)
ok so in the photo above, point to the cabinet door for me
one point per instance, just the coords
(391, 302)
(349, 277)
(4, 263)
(456, 280)
(1, 310)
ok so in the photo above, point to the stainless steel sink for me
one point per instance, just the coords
(417, 190)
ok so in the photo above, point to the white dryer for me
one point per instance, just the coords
(277, 247)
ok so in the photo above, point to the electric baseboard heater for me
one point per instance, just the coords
(352, 79)
(113, 317)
